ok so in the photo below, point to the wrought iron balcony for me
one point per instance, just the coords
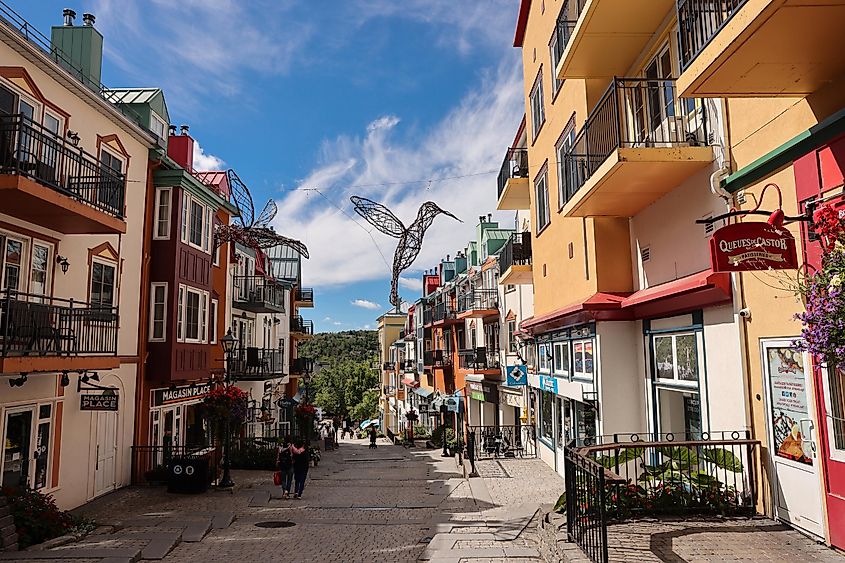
(641, 114)
(516, 252)
(37, 326)
(28, 149)
(437, 358)
(301, 365)
(428, 316)
(566, 22)
(481, 301)
(258, 294)
(478, 359)
(699, 21)
(443, 312)
(298, 325)
(304, 296)
(257, 364)
(515, 166)
(409, 366)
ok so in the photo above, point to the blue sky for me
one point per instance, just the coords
(337, 96)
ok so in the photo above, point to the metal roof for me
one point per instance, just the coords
(154, 97)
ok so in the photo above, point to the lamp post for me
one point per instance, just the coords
(228, 343)
(306, 379)
(443, 411)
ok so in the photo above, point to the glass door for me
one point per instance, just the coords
(17, 447)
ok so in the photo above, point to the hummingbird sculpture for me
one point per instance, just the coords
(410, 238)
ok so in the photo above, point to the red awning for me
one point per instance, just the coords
(695, 291)
(410, 381)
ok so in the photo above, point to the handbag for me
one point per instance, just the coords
(277, 478)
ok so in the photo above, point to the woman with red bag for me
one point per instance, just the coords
(284, 467)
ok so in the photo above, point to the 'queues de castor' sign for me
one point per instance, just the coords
(105, 401)
(743, 247)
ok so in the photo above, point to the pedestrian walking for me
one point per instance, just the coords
(336, 426)
(284, 465)
(373, 436)
(300, 467)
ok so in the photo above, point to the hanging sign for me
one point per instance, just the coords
(743, 247)
(548, 383)
(105, 401)
(179, 394)
(517, 376)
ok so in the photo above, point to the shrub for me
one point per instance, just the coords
(37, 518)
(437, 437)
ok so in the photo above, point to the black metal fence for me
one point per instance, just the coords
(29, 149)
(566, 21)
(428, 315)
(149, 463)
(33, 324)
(305, 294)
(479, 359)
(699, 21)
(438, 358)
(478, 300)
(512, 441)
(300, 325)
(632, 113)
(586, 521)
(444, 311)
(256, 364)
(301, 365)
(257, 293)
(517, 251)
(515, 165)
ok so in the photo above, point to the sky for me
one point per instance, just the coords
(312, 102)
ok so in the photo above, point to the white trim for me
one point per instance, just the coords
(153, 320)
(104, 262)
(215, 306)
(202, 315)
(159, 195)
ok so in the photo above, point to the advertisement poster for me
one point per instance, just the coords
(789, 403)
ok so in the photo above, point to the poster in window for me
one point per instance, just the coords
(579, 357)
(686, 351)
(664, 359)
(588, 357)
(789, 403)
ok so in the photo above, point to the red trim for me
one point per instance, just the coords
(685, 294)
(520, 131)
(521, 23)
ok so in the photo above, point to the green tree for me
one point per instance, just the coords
(368, 407)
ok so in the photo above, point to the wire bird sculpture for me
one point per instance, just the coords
(250, 230)
(410, 238)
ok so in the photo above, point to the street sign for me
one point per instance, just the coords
(105, 401)
(743, 247)
(517, 376)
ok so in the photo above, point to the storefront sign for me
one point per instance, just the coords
(789, 408)
(400, 394)
(179, 394)
(105, 401)
(548, 383)
(742, 247)
(517, 376)
(513, 400)
(483, 392)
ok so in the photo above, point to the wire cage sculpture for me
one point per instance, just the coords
(410, 238)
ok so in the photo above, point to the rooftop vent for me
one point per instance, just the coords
(645, 253)
(69, 15)
(88, 19)
(184, 129)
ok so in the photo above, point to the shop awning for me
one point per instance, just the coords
(702, 289)
(423, 392)
(410, 381)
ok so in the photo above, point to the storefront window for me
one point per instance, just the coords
(582, 356)
(676, 357)
(195, 435)
(586, 418)
(546, 416)
(836, 395)
(679, 412)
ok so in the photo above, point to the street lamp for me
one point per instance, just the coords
(229, 343)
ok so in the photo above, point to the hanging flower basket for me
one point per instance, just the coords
(225, 403)
(412, 416)
(305, 411)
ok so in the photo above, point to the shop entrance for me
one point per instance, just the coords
(104, 472)
(791, 433)
(17, 446)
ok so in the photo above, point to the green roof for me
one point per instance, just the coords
(152, 97)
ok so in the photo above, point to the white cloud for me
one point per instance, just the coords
(203, 162)
(337, 323)
(414, 284)
(471, 138)
(365, 304)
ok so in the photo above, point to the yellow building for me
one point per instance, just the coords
(388, 329)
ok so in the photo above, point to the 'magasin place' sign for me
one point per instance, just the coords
(743, 247)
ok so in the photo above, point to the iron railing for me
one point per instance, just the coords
(29, 149)
(39, 325)
(258, 294)
(300, 325)
(149, 463)
(301, 365)
(515, 165)
(490, 442)
(618, 477)
(632, 113)
(437, 358)
(256, 364)
(479, 359)
(565, 27)
(699, 21)
(444, 311)
(305, 294)
(517, 251)
(428, 315)
(478, 300)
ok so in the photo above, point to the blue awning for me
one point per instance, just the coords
(423, 392)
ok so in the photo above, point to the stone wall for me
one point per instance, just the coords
(8, 534)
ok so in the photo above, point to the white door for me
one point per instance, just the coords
(793, 460)
(104, 473)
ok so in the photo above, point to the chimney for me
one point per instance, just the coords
(81, 47)
(489, 217)
(181, 147)
(172, 129)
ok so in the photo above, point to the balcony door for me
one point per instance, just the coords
(657, 117)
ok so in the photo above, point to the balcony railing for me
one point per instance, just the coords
(301, 326)
(478, 300)
(437, 358)
(517, 251)
(255, 364)
(565, 27)
(478, 359)
(428, 316)
(258, 294)
(301, 365)
(444, 311)
(515, 165)
(388, 366)
(633, 113)
(36, 325)
(304, 295)
(28, 149)
(699, 21)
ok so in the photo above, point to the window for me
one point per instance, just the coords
(542, 199)
(158, 126)
(180, 324)
(193, 315)
(102, 285)
(538, 116)
(676, 357)
(546, 420)
(582, 359)
(554, 56)
(212, 321)
(561, 358)
(196, 224)
(512, 337)
(109, 195)
(204, 317)
(158, 311)
(185, 201)
(209, 222)
(39, 270)
(162, 228)
(544, 357)
(12, 261)
(567, 178)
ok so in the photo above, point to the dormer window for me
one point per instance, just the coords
(158, 126)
